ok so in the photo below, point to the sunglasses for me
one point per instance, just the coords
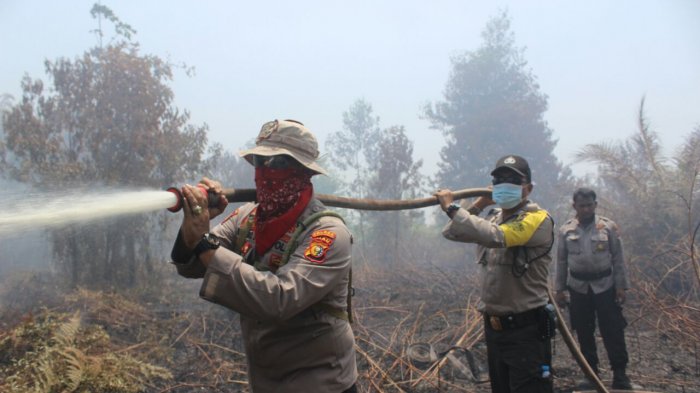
(517, 180)
(273, 162)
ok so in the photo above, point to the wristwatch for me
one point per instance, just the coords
(209, 242)
(453, 207)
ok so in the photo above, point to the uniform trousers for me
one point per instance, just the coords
(516, 357)
(584, 310)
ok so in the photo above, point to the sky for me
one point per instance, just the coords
(310, 60)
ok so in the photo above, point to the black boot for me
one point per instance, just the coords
(621, 380)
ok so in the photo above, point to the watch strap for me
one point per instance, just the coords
(453, 207)
(207, 242)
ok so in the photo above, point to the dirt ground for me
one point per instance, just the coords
(659, 361)
(200, 345)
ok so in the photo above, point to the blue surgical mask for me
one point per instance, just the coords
(507, 195)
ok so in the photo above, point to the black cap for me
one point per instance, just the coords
(515, 163)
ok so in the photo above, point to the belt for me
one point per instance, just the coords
(587, 276)
(512, 321)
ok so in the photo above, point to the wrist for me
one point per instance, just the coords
(208, 242)
(452, 208)
(206, 256)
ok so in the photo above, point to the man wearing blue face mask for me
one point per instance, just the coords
(514, 244)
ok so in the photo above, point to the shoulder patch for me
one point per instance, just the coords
(519, 231)
(570, 225)
(323, 235)
(321, 242)
(606, 223)
(316, 252)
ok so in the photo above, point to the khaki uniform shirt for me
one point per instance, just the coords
(592, 249)
(505, 245)
(290, 346)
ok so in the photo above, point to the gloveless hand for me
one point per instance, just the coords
(195, 222)
(215, 187)
(445, 197)
(620, 296)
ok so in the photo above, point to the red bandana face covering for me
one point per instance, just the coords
(282, 196)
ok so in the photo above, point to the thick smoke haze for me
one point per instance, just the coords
(311, 60)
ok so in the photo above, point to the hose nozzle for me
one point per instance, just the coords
(212, 200)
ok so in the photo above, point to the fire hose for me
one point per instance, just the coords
(249, 195)
(573, 348)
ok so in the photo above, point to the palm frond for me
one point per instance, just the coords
(649, 146)
(611, 160)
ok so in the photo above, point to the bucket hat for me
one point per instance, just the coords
(288, 137)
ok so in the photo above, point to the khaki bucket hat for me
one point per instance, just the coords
(288, 137)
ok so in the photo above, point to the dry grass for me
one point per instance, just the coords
(394, 307)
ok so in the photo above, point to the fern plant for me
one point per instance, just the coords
(65, 356)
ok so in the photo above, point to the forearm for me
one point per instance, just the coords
(184, 260)
(468, 228)
(269, 296)
(562, 267)
(619, 269)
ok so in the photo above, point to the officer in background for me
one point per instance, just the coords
(591, 267)
(514, 249)
(283, 264)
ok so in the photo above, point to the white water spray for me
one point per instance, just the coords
(25, 211)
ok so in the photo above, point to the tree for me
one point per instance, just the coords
(353, 149)
(107, 119)
(5, 103)
(394, 176)
(492, 106)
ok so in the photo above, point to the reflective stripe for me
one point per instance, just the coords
(519, 231)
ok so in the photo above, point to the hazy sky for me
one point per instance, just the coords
(310, 60)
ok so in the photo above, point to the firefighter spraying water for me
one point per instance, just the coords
(32, 210)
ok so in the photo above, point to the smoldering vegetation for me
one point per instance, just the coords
(97, 307)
